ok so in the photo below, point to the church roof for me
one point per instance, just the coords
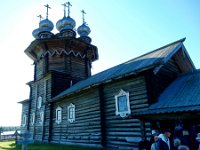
(147, 61)
(182, 95)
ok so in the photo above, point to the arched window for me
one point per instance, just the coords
(71, 113)
(58, 115)
(122, 103)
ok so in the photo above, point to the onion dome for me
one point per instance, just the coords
(46, 25)
(36, 32)
(67, 23)
(83, 30)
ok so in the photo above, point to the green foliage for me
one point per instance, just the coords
(10, 145)
(9, 128)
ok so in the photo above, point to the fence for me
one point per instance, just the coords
(13, 136)
(8, 137)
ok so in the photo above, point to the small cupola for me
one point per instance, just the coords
(84, 30)
(38, 30)
(45, 27)
(66, 25)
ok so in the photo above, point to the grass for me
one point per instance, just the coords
(10, 145)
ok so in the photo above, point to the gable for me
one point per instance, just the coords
(182, 95)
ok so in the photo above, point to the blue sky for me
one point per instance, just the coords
(120, 29)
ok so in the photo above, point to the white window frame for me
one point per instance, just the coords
(58, 115)
(24, 120)
(71, 113)
(127, 110)
(32, 118)
(41, 117)
(39, 102)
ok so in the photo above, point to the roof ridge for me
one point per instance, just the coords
(180, 40)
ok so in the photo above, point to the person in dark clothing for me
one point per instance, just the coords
(144, 145)
(164, 142)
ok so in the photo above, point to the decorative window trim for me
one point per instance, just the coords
(24, 120)
(45, 90)
(39, 102)
(127, 110)
(32, 118)
(41, 117)
(58, 115)
(71, 113)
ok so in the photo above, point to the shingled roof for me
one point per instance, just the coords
(147, 61)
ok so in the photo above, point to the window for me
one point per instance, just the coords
(45, 90)
(24, 118)
(71, 113)
(58, 115)
(41, 117)
(32, 118)
(122, 104)
(39, 102)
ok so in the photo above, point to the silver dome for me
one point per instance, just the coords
(36, 32)
(46, 25)
(83, 30)
(65, 24)
(59, 25)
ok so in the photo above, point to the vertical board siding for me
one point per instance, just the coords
(39, 69)
(119, 130)
(165, 76)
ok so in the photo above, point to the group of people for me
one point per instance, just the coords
(163, 141)
(180, 140)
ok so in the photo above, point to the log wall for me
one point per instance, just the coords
(86, 130)
(124, 133)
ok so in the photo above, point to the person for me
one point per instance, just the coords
(144, 144)
(183, 147)
(198, 139)
(177, 143)
(164, 142)
(154, 145)
(153, 133)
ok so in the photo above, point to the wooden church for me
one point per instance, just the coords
(114, 109)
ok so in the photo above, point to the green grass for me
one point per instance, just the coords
(10, 145)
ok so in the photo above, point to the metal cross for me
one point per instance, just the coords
(83, 13)
(64, 9)
(68, 5)
(40, 16)
(47, 6)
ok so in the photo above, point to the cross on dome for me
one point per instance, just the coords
(40, 16)
(65, 9)
(68, 5)
(47, 6)
(83, 13)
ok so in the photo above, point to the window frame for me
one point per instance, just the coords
(70, 118)
(127, 111)
(39, 102)
(24, 120)
(58, 119)
(32, 119)
(41, 118)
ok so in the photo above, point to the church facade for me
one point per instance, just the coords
(116, 108)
